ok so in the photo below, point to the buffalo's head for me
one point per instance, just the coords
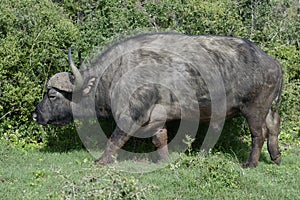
(63, 90)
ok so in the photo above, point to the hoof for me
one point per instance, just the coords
(277, 160)
(103, 161)
(163, 159)
(249, 165)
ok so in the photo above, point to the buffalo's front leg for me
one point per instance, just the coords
(115, 142)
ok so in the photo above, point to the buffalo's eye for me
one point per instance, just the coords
(52, 96)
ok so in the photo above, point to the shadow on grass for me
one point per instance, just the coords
(235, 139)
(66, 139)
(62, 139)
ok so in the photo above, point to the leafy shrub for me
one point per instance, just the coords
(213, 171)
(289, 56)
(105, 184)
(99, 21)
(290, 113)
(34, 37)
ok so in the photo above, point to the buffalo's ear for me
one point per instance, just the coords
(89, 86)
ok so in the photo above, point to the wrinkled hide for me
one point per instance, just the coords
(149, 79)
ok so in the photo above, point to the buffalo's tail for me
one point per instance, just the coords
(278, 92)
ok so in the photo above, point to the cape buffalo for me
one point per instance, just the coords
(148, 79)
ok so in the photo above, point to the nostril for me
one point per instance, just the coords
(34, 116)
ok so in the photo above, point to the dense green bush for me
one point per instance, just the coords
(290, 112)
(35, 35)
(105, 183)
(213, 171)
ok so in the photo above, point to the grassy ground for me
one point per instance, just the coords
(50, 175)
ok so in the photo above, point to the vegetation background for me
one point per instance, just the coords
(35, 36)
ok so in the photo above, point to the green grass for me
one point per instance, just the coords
(219, 176)
(38, 174)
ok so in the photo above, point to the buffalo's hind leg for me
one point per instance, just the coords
(263, 123)
(273, 129)
(160, 141)
(256, 122)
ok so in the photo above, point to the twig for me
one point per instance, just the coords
(5, 115)
(9, 112)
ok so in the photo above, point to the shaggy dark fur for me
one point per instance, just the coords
(148, 79)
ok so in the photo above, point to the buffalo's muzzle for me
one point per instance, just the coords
(34, 117)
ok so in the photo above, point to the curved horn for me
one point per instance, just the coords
(78, 78)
